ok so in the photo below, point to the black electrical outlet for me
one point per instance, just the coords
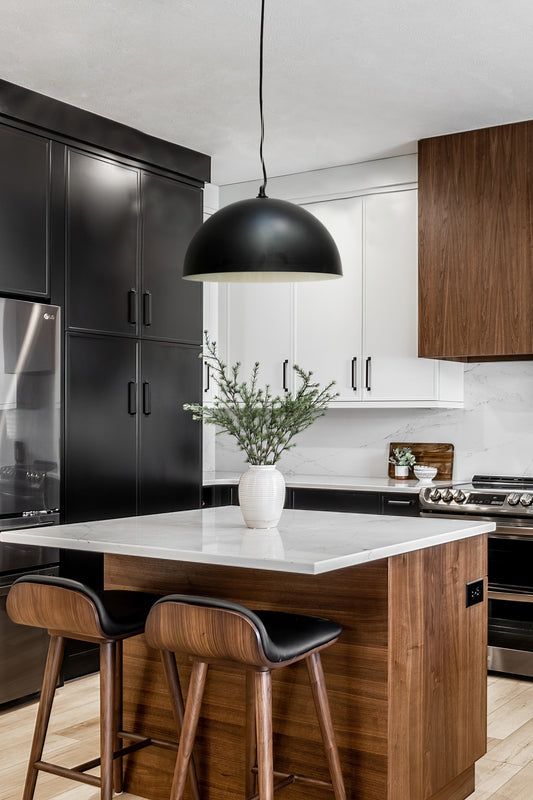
(474, 592)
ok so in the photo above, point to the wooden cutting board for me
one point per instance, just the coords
(432, 454)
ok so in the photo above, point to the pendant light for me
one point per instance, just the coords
(262, 239)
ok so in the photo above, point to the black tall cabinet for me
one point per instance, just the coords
(96, 218)
(133, 339)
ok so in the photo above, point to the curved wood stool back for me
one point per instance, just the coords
(218, 632)
(69, 609)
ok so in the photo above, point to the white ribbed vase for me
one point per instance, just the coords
(261, 496)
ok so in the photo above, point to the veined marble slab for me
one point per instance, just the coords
(310, 542)
(341, 482)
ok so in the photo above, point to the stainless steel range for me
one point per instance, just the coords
(507, 501)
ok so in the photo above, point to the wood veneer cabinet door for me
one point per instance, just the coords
(476, 244)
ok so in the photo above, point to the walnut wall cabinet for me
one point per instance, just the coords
(476, 244)
(360, 330)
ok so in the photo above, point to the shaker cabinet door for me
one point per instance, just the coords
(24, 212)
(102, 233)
(101, 423)
(171, 214)
(170, 463)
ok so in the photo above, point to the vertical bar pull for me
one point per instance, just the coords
(285, 363)
(147, 308)
(132, 397)
(368, 378)
(147, 398)
(207, 377)
(354, 373)
(132, 307)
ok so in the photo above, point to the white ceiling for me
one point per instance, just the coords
(345, 80)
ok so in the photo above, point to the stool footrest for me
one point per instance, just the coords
(165, 744)
(65, 772)
(284, 779)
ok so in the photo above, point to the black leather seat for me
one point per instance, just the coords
(284, 636)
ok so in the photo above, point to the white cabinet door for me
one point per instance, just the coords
(390, 281)
(259, 328)
(328, 322)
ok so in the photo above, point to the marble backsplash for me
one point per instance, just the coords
(493, 433)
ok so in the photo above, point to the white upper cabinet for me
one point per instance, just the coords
(260, 328)
(360, 330)
(328, 322)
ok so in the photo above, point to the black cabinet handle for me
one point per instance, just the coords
(368, 374)
(354, 374)
(207, 377)
(285, 375)
(147, 308)
(132, 307)
(147, 398)
(132, 397)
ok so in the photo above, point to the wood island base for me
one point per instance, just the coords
(406, 680)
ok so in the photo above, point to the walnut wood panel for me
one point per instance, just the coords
(61, 611)
(387, 711)
(432, 454)
(437, 648)
(475, 244)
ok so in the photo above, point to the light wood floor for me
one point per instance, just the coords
(505, 773)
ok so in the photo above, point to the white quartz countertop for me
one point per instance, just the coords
(310, 542)
(346, 482)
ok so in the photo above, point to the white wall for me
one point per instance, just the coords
(493, 433)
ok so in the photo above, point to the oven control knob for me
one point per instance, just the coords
(434, 495)
(513, 499)
(526, 499)
(447, 495)
(459, 496)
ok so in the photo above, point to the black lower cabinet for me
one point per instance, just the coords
(170, 465)
(130, 447)
(100, 466)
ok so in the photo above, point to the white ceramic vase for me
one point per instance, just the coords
(261, 496)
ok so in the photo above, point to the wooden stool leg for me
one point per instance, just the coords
(118, 773)
(263, 717)
(107, 717)
(188, 731)
(173, 681)
(54, 660)
(251, 739)
(318, 687)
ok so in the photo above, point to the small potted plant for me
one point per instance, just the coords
(263, 426)
(403, 459)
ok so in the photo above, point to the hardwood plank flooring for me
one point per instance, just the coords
(505, 773)
(72, 738)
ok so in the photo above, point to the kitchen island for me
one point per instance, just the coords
(406, 681)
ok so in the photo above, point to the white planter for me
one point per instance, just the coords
(401, 471)
(261, 496)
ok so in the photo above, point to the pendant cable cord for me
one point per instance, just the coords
(262, 190)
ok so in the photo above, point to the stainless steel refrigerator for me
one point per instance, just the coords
(29, 472)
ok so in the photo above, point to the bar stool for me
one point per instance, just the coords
(219, 632)
(69, 609)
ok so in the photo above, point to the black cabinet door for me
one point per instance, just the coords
(101, 424)
(102, 244)
(170, 451)
(171, 213)
(337, 500)
(24, 212)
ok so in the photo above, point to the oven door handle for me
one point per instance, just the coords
(514, 597)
